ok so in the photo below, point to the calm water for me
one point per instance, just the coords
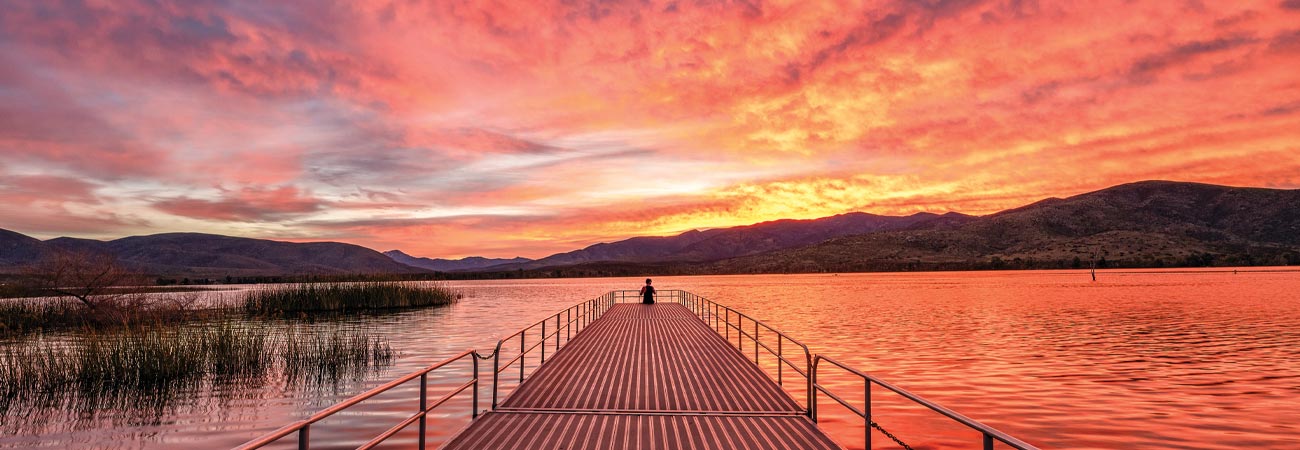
(1134, 360)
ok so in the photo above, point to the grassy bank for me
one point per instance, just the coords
(345, 297)
(154, 358)
(29, 315)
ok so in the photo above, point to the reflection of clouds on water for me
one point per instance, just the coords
(1050, 357)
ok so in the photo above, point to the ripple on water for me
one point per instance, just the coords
(1141, 360)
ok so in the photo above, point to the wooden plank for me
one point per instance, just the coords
(646, 377)
(657, 357)
(600, 431)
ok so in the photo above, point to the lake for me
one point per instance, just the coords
(1160, 359)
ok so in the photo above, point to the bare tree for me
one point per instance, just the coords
(95, 280)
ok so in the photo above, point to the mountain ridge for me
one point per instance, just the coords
(1142, 224)
(211, 255)
(451, 265)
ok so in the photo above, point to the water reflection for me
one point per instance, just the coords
(1140, 360)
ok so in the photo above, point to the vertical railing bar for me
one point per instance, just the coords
(473, 409)
(866, 409)
(304, 437)
(780, 361)
(727, 318)
(543, 346)
(424, 404)
(988, 441)
(496, 372)
(812, 392)
(523, 356)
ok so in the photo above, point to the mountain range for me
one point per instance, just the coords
(208, 255)
(1143, 224)
(723, 243)
(451, 265)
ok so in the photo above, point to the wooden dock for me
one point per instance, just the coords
(646, 377)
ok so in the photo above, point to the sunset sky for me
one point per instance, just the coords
(451, 129)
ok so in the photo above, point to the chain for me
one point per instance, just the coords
(889, 435)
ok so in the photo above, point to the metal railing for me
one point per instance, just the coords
(720, 317)
(989, 434)
(303, 427)
(727, 322)
(576, 318)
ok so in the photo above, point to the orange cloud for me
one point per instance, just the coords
(462, 128)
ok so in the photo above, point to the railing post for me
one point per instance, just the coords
(557, 332)
(866, 411)
(424, 404)
(496, 374)
(756, 345)
(988, 441)
(523, 358)
(780, 361)
(304, 437)
(473, 409)
(811, 365)
(543, 344)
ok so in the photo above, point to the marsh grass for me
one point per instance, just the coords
(29, 315)
(158, 359)
(345, 297)
(26, 316)
(334, 355)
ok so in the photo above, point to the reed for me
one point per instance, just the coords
(346, 297)
(333, 355)
(21, 316)
(166, 357)
(29, 315)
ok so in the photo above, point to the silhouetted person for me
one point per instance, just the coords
(647, 293)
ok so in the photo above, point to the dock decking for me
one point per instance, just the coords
(646, 377)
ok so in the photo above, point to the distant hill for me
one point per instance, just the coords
(1145, 224)
(17, 248)
(712, 245)
(208, 255)
(451, 265)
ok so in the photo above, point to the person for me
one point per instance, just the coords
(647, 293)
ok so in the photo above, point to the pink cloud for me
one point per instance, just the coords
(245, 204)
(588, 119)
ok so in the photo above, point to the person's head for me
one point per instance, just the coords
(647, 281)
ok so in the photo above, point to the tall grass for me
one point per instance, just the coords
(345, 297)
(161, 358)
(27, 315)
(333, 355)
(21, 316)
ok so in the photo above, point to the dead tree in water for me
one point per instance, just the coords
(1093, 264)
(94, 280)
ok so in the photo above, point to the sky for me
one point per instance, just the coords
(501, 129)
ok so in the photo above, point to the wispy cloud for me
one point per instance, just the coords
(459, 128)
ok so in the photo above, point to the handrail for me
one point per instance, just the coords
(709, 310)
(989, 433)
(578, 316)
(721, 318)
(303, 427)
